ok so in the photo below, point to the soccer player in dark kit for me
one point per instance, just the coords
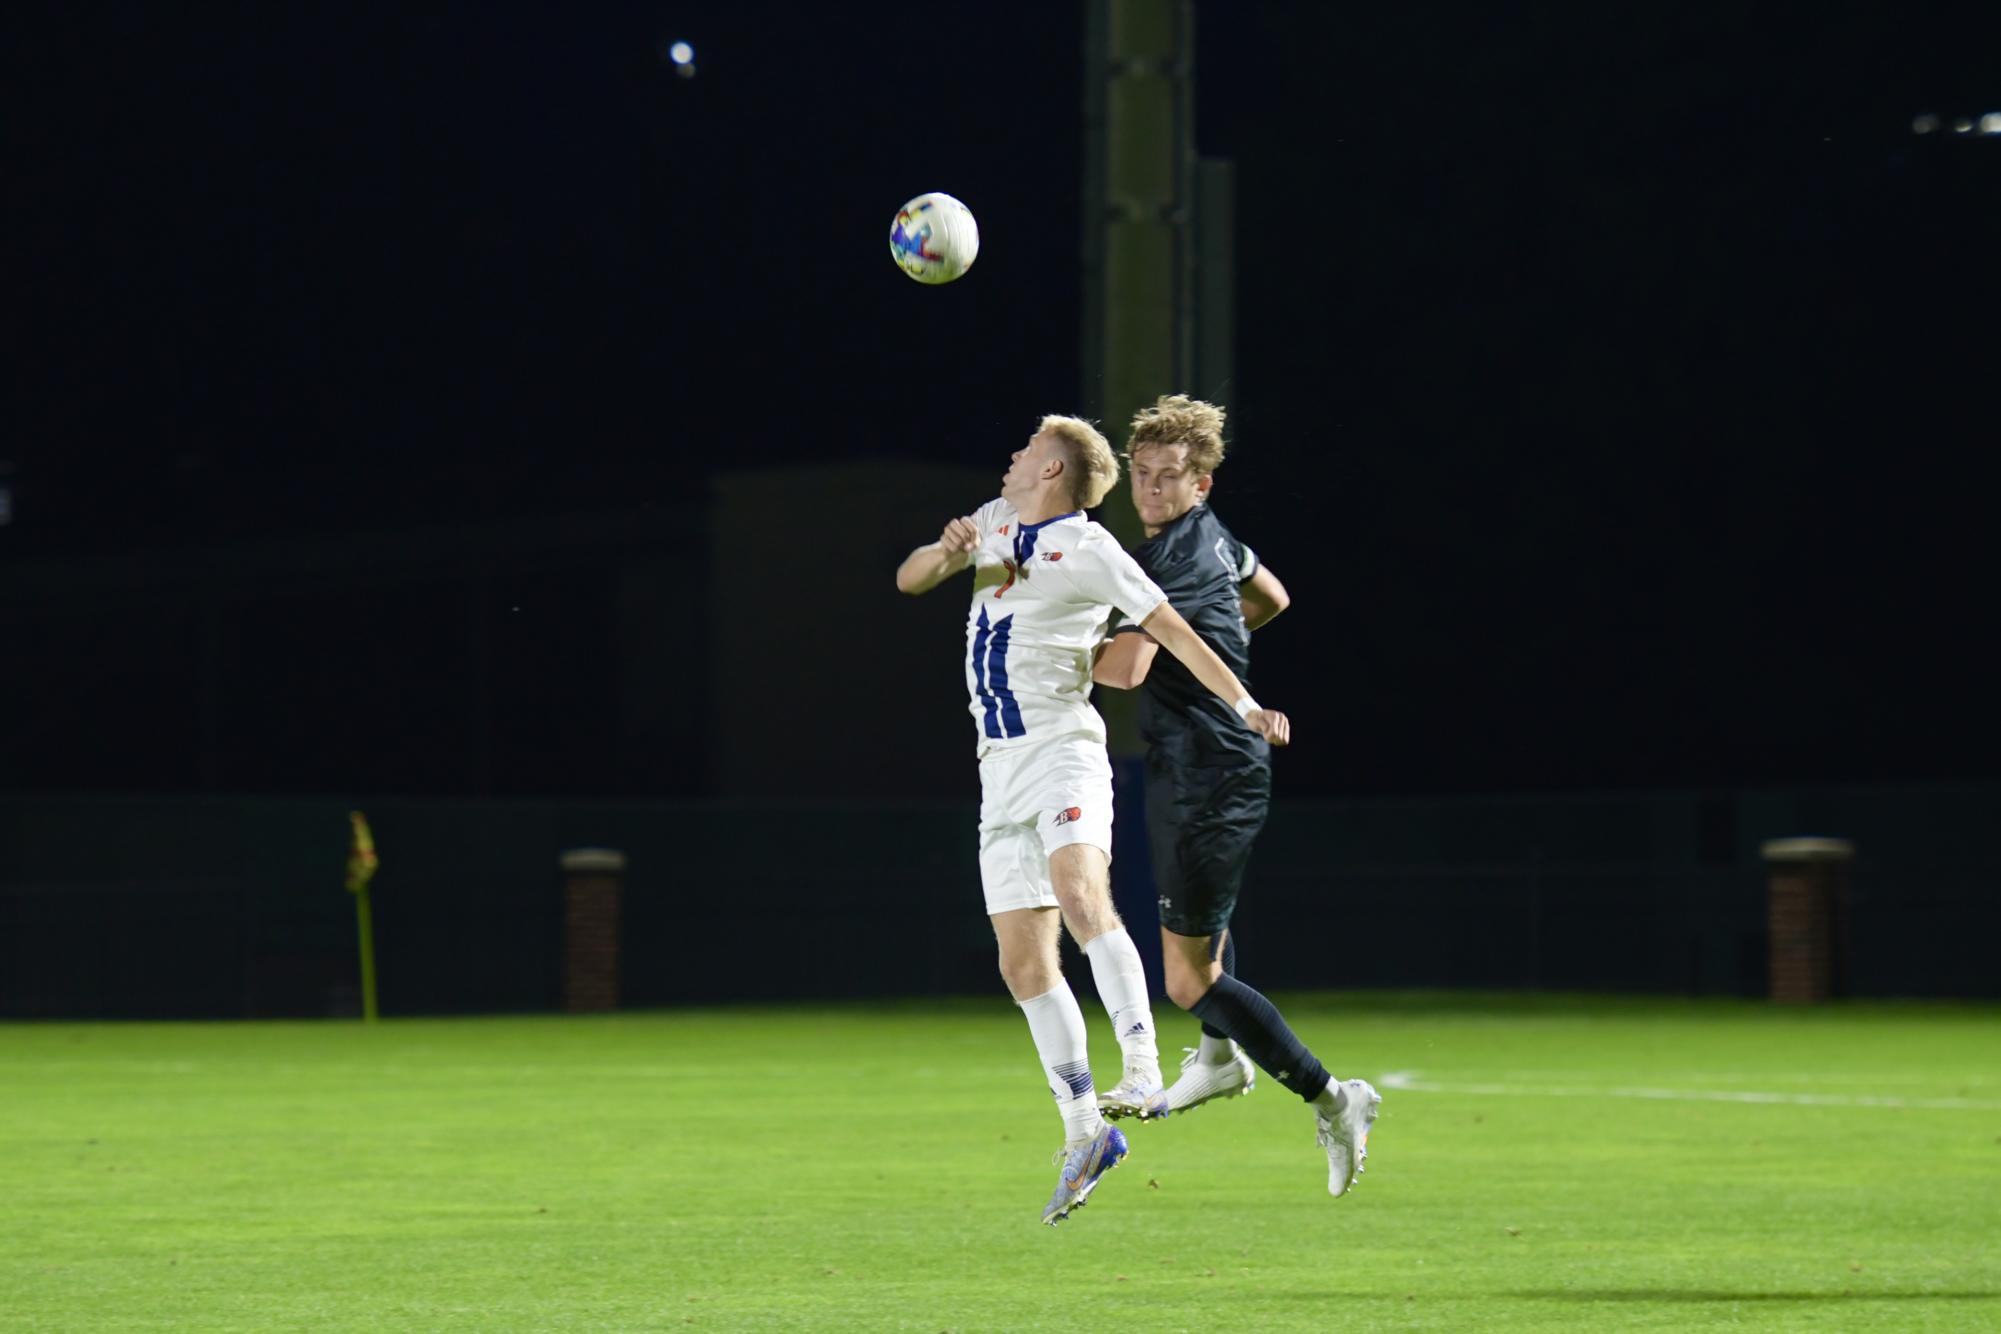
(1208, 782)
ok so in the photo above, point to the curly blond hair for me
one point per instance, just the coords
(1176, 419)
(1088, 455)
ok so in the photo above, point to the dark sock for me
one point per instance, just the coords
(1229, 970)
(1241, 1014)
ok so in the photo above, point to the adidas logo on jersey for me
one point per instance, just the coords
(1067, 815)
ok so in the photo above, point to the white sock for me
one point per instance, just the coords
(1121, 980)
(1333, 1097)
(1057, 1026)
(1215, 1051)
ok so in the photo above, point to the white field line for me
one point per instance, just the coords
(1408, 1081)
(1829, 1078)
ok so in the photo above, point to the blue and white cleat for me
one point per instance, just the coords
(1083, 1167)
(1140, 1094)
(1345, 1133)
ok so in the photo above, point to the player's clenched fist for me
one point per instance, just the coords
(1270, 724)
(960, 536)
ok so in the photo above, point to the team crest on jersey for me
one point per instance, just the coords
(1052, 555)
(1003, 530)
(1066, 815)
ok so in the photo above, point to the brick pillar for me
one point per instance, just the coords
(1807, 877)
(592, 881)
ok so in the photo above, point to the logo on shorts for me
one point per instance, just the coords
(1069, 813)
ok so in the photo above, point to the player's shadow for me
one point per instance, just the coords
(1713, 1295)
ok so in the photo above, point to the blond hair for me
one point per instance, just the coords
(1087, 454)
(1176, 419)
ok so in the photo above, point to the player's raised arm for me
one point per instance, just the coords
(1124, 659)
(935, 562)
(1179, 638)
(1263, 597)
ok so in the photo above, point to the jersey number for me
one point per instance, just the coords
(1001, 714)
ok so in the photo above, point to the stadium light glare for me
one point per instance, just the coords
(1924, 124)
(681, 53)
(1991, 123)
(1962, 126)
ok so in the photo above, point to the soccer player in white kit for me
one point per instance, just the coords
(1045, 583)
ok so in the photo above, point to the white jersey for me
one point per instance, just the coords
(1043, 596)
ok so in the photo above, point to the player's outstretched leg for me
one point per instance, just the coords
(1084, 1165)
(1027, 940)
(1344, 1110)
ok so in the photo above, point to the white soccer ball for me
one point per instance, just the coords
(934, 238)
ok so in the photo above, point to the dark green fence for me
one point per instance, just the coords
(221, 906)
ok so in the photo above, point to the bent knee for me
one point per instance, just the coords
(1187, 989)
(1017, 973)
(1027, 977)
(1088, 910)
(1186, 983)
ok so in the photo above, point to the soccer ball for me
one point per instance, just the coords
(934, 238)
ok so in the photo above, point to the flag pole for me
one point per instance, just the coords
(361, 864)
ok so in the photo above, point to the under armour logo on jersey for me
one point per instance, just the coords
(1068, 814)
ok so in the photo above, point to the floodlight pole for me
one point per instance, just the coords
(1157, 221)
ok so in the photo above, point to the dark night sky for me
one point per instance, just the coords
(1614, 384)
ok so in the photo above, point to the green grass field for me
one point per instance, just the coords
(1541, 1163)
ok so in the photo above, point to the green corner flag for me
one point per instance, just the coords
(361, 864)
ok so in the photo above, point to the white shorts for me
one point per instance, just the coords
(1035, 799)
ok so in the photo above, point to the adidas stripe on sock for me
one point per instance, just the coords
(1057, 1025)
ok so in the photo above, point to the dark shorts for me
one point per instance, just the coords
(1200, 825)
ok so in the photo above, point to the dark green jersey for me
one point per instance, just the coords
(1201, 566)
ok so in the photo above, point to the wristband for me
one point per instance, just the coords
(1247, 706)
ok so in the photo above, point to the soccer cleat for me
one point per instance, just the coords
(1139, 1094)
(1083, 1167)
(1345, 1134)
(1202, 1081)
